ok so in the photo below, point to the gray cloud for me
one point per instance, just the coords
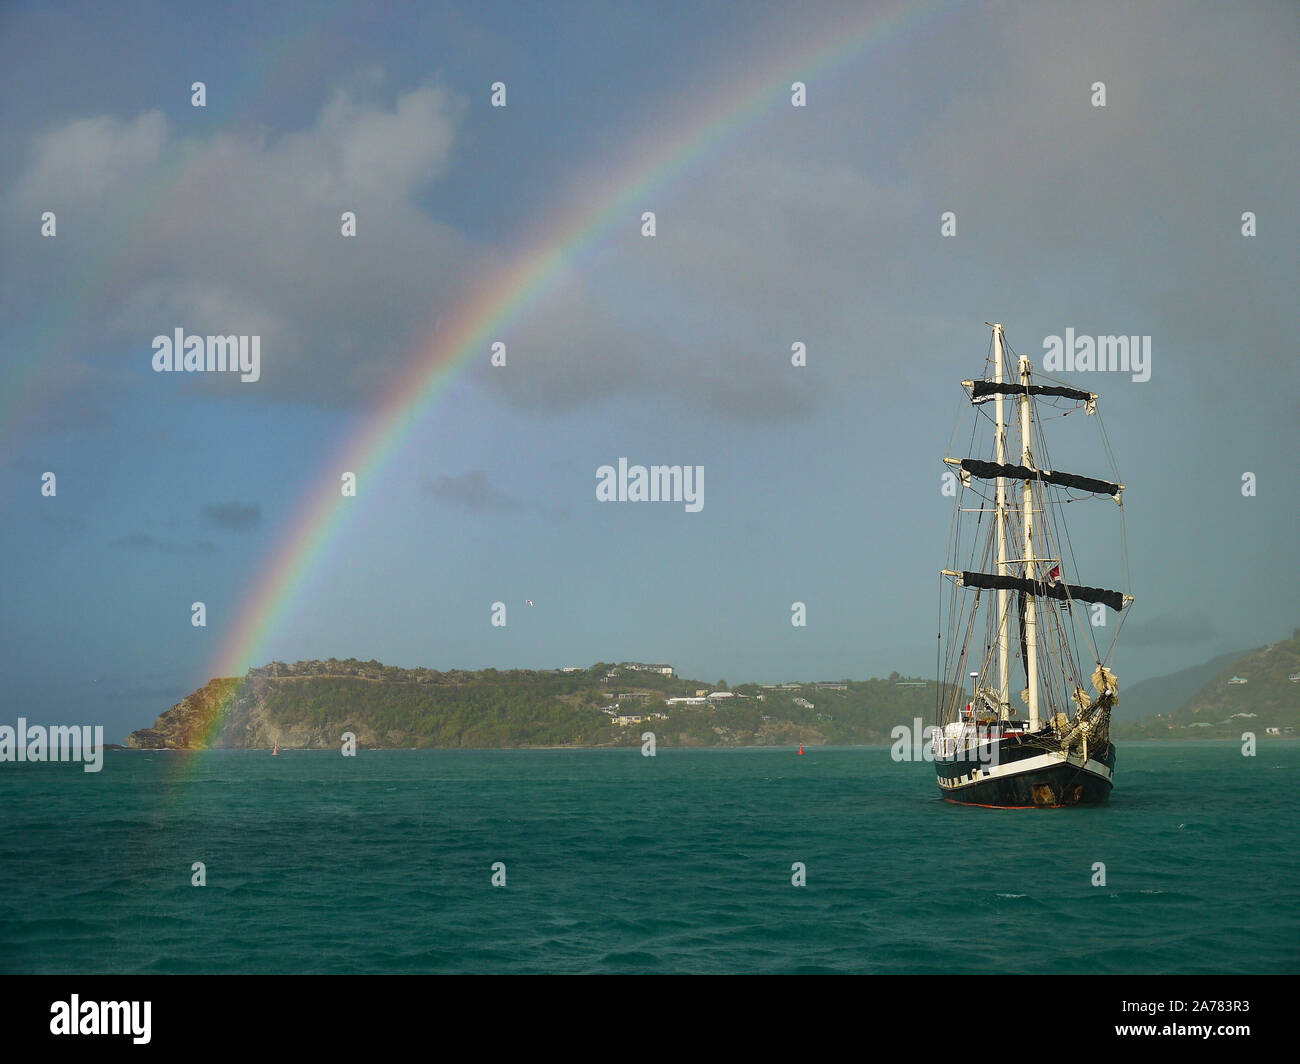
(142, 541)
(1112, 219)
(62, 522)
(1170, 629)
(234, 516)
(258, 249)
(821, 226)
(472, 491)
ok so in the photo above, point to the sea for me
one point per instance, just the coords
(608, 861)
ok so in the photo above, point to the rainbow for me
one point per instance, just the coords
(509, 292)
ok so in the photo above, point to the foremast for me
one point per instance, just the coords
(1004, 596)
(1027, 521)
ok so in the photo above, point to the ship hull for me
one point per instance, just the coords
(1024, 776)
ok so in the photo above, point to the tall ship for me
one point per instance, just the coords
(1014, 617)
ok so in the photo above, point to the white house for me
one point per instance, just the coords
(641, 666)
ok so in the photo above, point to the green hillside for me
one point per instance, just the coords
(311, 704)
(1163, 694)
(1221, 709)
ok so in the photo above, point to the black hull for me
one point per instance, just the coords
(1065, 783)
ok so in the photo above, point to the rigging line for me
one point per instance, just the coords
(1069, 542)
(1105, 442)
(1089, 629)
(970, 630)
(957, 646)
(938, 645)
(1074, 631)
(956, 424)
(1052, 541)
(1123, 523)
(956, 608)
(988, 354)
(961, 618)
(1070, 669)
(970, 447)
(954, 530)
(1063, 642)
(954, 640)
(1047, 376)
(1114, 640)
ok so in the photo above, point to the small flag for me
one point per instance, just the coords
(1055, 577)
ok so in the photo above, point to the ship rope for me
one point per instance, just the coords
(1056, 535)
(958, 617)
(1123, 533)
(938, 655)
(1062, 679)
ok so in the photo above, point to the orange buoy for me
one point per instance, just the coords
(801, 749)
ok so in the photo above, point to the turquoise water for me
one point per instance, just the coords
(620, 863)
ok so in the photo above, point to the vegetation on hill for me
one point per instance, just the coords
(312, 703)
(1221, 710)
(1163, 694)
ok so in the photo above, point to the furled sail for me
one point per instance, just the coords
(980, 391)
(993, 470)
(1042, 588)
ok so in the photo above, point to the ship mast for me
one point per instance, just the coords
(1031, 603)
(1004, 620)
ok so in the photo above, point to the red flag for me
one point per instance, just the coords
(1055, 574)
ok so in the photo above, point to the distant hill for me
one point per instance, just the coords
(310, 704)
(1163, 694)
(1220, 709)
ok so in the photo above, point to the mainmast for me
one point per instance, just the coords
(1004, 632)
(1031, 603)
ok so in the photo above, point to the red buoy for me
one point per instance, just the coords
(801, 749)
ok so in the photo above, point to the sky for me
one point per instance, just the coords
(775, 224)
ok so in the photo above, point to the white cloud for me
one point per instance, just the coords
(240, 233)
(823, 229)
(86, 158)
